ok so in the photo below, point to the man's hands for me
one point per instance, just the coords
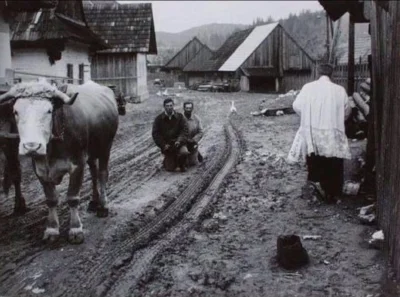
(166, 147)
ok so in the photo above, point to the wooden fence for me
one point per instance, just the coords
(361, 72)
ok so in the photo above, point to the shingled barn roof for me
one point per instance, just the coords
(126, 28)
(64, 22)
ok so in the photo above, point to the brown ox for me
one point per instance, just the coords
(62, 132)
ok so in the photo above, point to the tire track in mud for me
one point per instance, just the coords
(112, 261)
(130, 276)
(32, 224)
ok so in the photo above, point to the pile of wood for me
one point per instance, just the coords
(357, 123)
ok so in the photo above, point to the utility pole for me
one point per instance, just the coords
(350, 72)
(327, 37)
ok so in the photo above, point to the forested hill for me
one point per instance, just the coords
(307, 28)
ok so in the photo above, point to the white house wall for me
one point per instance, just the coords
(143, 92)
(36, 60)
(5, 53)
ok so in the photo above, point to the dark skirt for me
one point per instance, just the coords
(327, 171)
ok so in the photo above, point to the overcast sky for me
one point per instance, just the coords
(176, 16)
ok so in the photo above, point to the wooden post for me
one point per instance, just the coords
(350, 73)
(327, 37)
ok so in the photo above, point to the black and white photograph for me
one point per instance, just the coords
(199, 148)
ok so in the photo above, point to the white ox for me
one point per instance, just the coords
(62, 131)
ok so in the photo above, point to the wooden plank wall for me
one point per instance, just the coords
(185, 55)
(361, 73)
(295, 80)
(385, 33)
(116, 69)
(293, 55)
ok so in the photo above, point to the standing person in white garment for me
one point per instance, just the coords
(321, 140)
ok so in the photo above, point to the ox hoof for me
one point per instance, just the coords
(51, 235)
(75, 236)
(102, 212)
(93, 206)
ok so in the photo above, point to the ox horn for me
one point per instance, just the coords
(65, 98)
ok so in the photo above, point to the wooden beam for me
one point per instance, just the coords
(350, 74)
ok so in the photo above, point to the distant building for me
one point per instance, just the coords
(178, 62)
(129, 31)
(362, 48)
(53, 42)
(264, 58)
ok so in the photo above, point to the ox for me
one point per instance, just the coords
(12, 169)
(62, 131)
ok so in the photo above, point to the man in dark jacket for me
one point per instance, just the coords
(170, 133)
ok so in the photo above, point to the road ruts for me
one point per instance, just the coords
(129, 277)
(27, 229)
(111, 263)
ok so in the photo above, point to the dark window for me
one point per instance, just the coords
(81, 73)
(70, 72)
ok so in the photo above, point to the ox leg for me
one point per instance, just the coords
(12, 174)
(75, 234)
(95, 202)
(52, 231)
(102, 211)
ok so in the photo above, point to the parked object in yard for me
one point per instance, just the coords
(351, 188)
(159, 82)
(121, 102)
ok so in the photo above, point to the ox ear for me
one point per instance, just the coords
(64, 98)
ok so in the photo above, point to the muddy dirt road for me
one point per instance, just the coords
(210, 231)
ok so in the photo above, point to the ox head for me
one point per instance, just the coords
(34, 104)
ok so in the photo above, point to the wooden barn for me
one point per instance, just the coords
(264, 58)
(383, 136)
(129, 31)
(52, 42)
(176, 64)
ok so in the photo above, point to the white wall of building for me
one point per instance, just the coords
(36, 60)
(5, 53)
(142, 90)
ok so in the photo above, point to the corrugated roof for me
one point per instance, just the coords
(124, 27)
(362, 48)
(204, 54)
(247, 47)
(223, 53)
(52, 24)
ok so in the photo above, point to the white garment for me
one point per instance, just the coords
(323, 107)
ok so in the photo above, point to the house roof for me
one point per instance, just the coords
(174, 64)
(337, 8)
(126, 28)
(204, 54)
(362, 48)
(247, 47)
(60, 23)
(224, 52)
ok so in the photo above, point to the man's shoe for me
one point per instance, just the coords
(200, 157)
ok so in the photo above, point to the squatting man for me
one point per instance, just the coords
(177, 136)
